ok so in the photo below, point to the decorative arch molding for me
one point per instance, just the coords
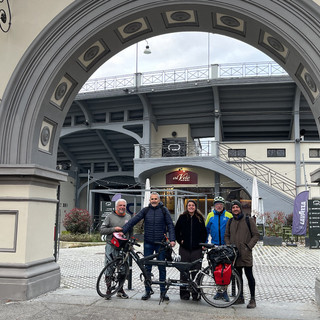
(86, 34)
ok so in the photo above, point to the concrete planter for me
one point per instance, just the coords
(272, 241)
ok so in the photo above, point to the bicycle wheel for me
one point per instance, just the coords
(112, 278)
(216, 295)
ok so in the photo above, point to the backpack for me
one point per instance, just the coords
(247, 221)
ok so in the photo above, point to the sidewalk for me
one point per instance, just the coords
(285, 279)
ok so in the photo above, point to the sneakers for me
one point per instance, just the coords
(121, 294)
(222, 296)
(252, 304)
(146, 296)
(225, 296)
(218, 296)
(240, 300)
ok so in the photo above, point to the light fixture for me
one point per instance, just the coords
(147, 49)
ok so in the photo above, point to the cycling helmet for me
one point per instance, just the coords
(218, 199)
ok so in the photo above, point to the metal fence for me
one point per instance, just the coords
(180, 75)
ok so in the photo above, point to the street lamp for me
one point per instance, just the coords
(146, 51)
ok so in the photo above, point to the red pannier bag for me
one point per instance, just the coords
(222, 274)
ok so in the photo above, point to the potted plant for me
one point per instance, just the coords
(274, 223)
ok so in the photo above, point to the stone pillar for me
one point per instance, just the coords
(28, 206)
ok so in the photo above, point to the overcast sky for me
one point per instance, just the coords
(179, 50)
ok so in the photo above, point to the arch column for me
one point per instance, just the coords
(28, 197)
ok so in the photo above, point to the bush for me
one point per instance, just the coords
(77, 221)
(274, 222)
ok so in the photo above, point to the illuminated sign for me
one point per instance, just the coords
(182, 177)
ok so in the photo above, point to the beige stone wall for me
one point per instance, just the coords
(34, 205)
(182, 130)
(28, 19)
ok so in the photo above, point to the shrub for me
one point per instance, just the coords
(77, 221)
(274, 222)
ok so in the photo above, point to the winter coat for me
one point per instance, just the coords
(191, 231)
(157, 222)
(216, 225)
(238, 233)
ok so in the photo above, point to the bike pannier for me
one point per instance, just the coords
(222, 274)
(118, 241)
(222, 254)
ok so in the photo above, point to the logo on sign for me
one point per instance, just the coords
(181, 177)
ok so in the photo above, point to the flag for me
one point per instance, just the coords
(300, 214)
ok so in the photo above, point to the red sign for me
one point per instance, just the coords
(181, 177)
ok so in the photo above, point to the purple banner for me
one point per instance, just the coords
(300, 214)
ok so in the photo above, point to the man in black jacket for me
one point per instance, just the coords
(157, 222)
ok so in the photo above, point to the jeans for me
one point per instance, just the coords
(149, 249)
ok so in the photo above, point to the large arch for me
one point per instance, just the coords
(73, 45)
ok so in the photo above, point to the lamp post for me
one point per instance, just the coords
(138, 74)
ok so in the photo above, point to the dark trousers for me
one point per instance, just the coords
(189, 256)
(149, 249)
(251, 280)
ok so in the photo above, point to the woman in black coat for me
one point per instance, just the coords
(190, 231)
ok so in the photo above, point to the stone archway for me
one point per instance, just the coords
(70, 49)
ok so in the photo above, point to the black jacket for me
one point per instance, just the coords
(191, 231)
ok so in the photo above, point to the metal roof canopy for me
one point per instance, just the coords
(177, 194)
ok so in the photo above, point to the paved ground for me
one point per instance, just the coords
(282, 274)
(285, 279)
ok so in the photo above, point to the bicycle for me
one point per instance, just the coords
(203, 283)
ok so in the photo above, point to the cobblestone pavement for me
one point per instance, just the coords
(283, 274)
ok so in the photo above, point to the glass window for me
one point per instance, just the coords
(236, 153)
(314, 153)
(276, 153)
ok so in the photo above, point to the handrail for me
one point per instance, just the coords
(262, 172)
(245, 164)
(187, 74)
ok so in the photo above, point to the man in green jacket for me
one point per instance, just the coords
(243, 232)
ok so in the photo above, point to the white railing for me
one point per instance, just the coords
(215, 71)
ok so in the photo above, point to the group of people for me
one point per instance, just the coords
(220, 227)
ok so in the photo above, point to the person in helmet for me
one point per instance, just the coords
(216, 226)
(216, 221)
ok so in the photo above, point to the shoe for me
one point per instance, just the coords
(164, 297)
(196, 298)
(121, 294)
(146, 296)
(225, 296)
(184, 298)
(218, 296)
(252, 304)
(240, 300)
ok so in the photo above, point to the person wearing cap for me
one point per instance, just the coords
(113, 223)
(243, 232)
(190, 230)
(217, 220)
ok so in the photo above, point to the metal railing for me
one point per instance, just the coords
(263, 173)
(159, 150)
(180, 75)
(205, 149)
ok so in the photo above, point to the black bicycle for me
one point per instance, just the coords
(215, 293)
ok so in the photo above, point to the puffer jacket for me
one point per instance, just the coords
(238, 233)
(157, 222)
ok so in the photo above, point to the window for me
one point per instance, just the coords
(314, 153)
(271, 153)
(236, 153)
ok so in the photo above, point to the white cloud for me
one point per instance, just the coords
(179, 50)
